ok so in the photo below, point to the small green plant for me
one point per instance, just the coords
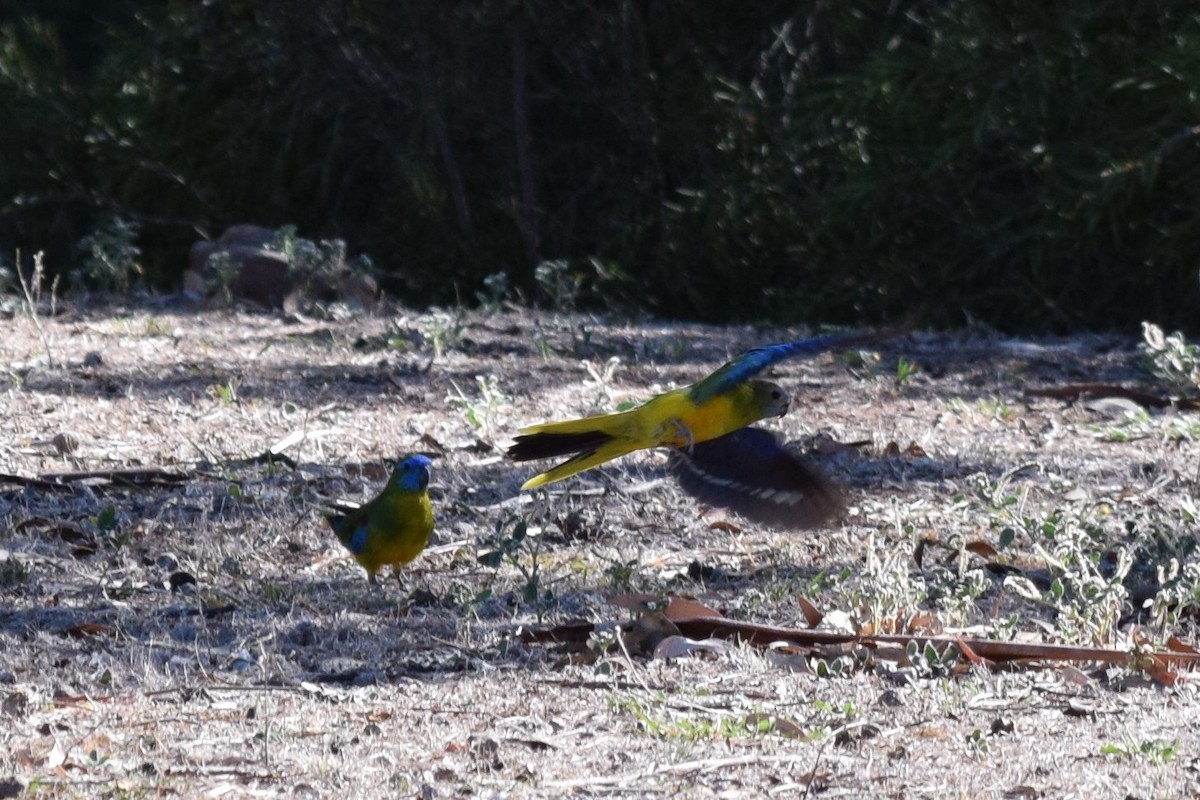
(621, 574)
(511, 544)
(107, 525)
(840, 667)
(928, 662)
(956, 592)
(862, 364)
(1154, 751)
(442, 330)
(32, 289)
(846, 712)
(481, 411)
(1086, 592)
(225, 393)
(1182, 429)
(320, 267)
(497, 288)
(558, 284)
(958, 407)
(13, 573)
(219, 276)
(106, 521)
(1171, 358)
(155, 326)
(111, 257)
(602, 379)
(323, 257)
(994, 408)
(1134, 425)
(977, 741)
(884, 591)
(1178, 596)
(634, 707)
(686, 730)
(670, 349)
(905, 370)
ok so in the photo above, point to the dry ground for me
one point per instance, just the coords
(198, 632)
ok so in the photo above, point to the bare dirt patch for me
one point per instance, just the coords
(176, 619)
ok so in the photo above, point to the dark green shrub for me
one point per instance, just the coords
(1028, 165)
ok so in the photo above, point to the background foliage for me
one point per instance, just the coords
(1030, 165)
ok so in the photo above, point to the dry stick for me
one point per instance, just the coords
(682, 768)
(812, 773)
(32, 287)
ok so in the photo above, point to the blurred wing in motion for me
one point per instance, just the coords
(750, 472)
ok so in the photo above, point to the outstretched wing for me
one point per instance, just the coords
(752, 362)
(749, 472)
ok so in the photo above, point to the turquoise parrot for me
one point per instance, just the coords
(727, 400)
(394, 527)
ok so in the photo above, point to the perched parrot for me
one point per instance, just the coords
(394, 527)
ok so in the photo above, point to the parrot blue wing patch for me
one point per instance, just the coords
(750, 472)
(357, 540)
(752, 362)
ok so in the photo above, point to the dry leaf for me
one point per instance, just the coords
(837, 620)
(86, 629)
(982, 549)
(924, 623)
(1175, 645)
(811, 614)
(56, 757)
(638, 603)
(969, 655)
(677, 646)
(684, 608)
(432, 443)
(643, 635)
(769, 723)
(1073, 676)
(785, 655)
(293, 438)
(65, 442)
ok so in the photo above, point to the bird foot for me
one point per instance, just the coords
(681, 435)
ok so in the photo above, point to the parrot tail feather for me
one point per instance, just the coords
(531, 446)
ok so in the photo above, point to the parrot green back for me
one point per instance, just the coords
(727, 400)
(398, 526)
(736, 407)
(672, 419)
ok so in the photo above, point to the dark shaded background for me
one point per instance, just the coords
(1031, 166)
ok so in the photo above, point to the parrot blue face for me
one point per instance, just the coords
(412, 474)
